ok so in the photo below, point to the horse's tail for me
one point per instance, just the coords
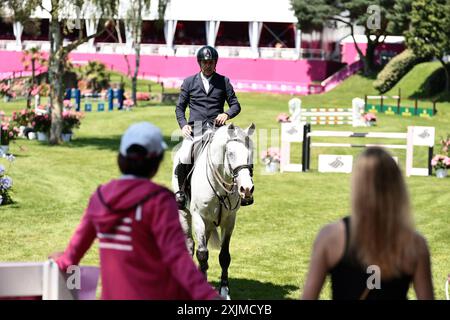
(214, 239)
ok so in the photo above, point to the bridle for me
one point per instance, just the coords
(235, 171)
(228, 187)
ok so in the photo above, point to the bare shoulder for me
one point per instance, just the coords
(421, 245)
(330, 234)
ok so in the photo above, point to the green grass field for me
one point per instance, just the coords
(272, 242)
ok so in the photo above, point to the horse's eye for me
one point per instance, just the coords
(232, 156)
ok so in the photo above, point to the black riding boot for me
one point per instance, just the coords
(182, 172)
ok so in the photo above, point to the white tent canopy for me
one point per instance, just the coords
(210, 10)
(230, 10)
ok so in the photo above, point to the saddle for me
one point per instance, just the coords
(197, 148)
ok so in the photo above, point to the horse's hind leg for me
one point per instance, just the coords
(186, 225)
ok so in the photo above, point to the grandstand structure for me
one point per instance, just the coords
(259, 43)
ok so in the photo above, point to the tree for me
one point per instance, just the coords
(133, 21)
(95, 75)
(65, 15)
(429, 32)
(30, 58)
(315, 14)
(400, 17)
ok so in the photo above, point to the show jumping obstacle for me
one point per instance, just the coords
(330, 116)
(397, 108)
(416, 136)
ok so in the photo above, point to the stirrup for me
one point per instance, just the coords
(247, 202)
(180, 198)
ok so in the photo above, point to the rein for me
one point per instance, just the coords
(227, 187)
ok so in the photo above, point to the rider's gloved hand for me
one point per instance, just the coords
(222, 118)
(187, 131)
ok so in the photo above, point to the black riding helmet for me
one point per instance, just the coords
(207, 53)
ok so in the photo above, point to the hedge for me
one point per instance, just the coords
(395, 69)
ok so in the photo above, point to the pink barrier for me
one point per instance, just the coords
(350, 54)
(267, 75)
(334, 80)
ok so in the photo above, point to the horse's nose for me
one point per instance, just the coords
(247, 191)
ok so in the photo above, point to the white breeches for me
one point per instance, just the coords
(185, 151)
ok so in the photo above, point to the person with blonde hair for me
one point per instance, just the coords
(376, 253)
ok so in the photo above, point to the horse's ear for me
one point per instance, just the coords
(250, 130)
(231, 129)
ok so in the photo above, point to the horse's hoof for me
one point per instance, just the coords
(224, 292)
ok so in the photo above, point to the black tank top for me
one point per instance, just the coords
(349, 278)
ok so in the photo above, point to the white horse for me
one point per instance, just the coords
(221, 176)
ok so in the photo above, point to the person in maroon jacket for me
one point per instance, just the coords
(142, 247)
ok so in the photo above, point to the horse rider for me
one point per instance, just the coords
(205, 93)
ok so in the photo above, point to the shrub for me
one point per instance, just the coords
(95, 75)
(396, 68)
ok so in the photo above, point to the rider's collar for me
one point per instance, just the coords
(206, 78)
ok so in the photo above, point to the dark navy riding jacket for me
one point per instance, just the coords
(206, 106)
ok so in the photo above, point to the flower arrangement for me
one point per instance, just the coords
(270, 155)
(67, 104)
(42, 123)
(370, 119)
(142, 96)
(283, 117)
(23, 117)
(128, 103)
(71, 120)
(441, 161)
(445, 144)
(9, 131)
(6, 182)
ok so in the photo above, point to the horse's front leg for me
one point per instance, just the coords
(202, 245)
(186, 224)
(224, 256)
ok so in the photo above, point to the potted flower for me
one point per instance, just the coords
(283, 117)
(128, 103)
(67, 104)
(42, 124)
(71, 120)
(6, 182)
(370, 119)
(271, 158)
(23, 118)
(9, 131)
(441, 162)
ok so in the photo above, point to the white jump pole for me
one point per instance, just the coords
(416, 136)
